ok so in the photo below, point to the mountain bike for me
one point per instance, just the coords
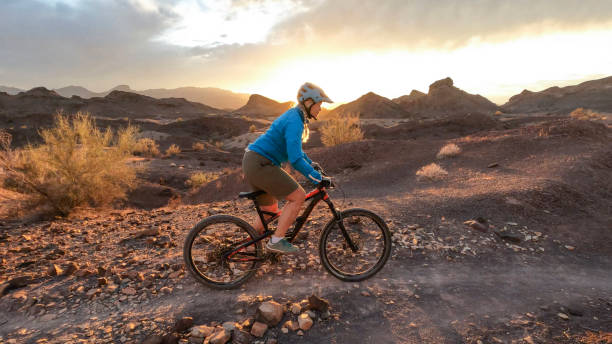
(224, 251)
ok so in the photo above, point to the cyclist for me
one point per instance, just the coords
(282, 142)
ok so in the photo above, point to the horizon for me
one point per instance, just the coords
(270, 47)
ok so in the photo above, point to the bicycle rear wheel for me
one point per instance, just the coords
(208, 244)
(372, 237)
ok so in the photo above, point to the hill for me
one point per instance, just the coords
(444, 99)
(260, 106)
(593, 94)
(370, 105)
(116, 104)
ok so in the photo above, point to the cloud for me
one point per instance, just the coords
(50, 41)
(434, 24)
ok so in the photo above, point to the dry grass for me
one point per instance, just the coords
(173, 150)
(198, 146)
(78, 164)
(146, 147)
(200, 178)
(586, 115)
(449, 150)
(341, 130)
(432, 171)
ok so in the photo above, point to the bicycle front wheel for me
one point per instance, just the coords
(210, 252)
(373, 245)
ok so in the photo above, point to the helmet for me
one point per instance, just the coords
(312, 91)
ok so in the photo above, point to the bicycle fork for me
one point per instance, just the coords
(338, 219)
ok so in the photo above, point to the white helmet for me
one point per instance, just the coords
(312, 91)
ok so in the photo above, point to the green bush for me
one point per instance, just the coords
(77, 164)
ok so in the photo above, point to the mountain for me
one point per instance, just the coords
(370, 105)
(260, 106)
(219, 98)
(444, 99)
(40, 100)
(594, 94)
(82, 92)
(216, 97)
(10, 90)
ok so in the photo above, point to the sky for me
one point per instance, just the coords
(490, 47)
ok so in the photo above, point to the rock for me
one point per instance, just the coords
(478, 225)
(170, 338)
(102, 281)
(305, 322)
(311, 314)
(71, 268)
(570, 248)
(285, 330)
(220, 337)
(55, 270)
(183, 324)
(146, 232)
(15, 283)
(272, 341)
(229, 325)
(296, 308)
(325, 315)
(508, 236)
(575, 310)
(317, 303)
(563, 316)
(300, 333)
(270, 312)
(291, 325)
(259, 329)
(128, 291)
(241, 337)
(154, 339)
(201, 331)
(101, 271)
(92, 292)
(165, 290)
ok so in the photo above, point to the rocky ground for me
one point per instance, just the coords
(512, 247)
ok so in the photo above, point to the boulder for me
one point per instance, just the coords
(305, 322)
(259, 329)
(220, 337)
(270, 312)
(317, 303)
(201, 331)
(183, 324)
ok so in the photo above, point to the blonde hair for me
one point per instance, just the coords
(305, 133)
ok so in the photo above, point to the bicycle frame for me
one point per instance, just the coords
(315, 196)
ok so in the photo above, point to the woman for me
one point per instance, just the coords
(280, 143)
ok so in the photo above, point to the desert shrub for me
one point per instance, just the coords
(200, 178)
(146, 147)
(432, 171)
(252, 128)
(173, 150)
(341, 130)
(449, 150)
(77, 164)
(585, 114)
(198, 146)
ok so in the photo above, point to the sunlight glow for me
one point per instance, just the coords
(494, 70)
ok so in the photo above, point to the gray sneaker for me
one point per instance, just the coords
(282, 246)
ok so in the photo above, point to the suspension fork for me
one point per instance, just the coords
(338, 219)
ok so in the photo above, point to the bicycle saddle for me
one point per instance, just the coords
(251, 195)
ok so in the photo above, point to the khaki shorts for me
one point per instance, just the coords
(261, 174)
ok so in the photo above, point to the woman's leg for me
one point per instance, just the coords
(271, 208)
(290, 212)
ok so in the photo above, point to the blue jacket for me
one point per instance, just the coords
(283, 142)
